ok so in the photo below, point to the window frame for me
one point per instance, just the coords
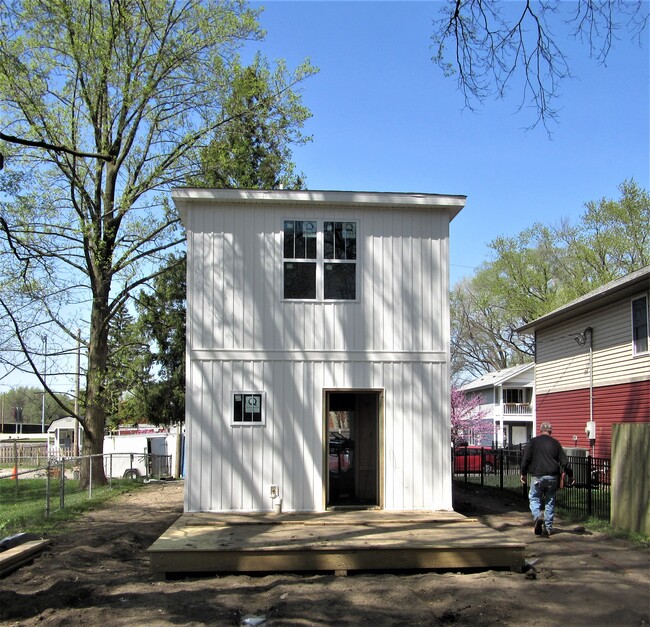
(247, 423)
(635, 340)
(321, 261)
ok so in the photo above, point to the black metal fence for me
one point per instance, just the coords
(500, 468)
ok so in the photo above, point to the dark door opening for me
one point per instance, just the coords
(353, 448)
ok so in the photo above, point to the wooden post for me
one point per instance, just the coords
(62, 484)
(47, 487)
(14, 475)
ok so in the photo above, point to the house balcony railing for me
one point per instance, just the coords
(517, 409)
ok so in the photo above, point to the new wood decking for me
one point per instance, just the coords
(332, 541)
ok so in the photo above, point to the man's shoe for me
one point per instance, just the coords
(539, 524)
(547, 532)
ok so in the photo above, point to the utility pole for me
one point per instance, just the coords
(77, 430)
(44, 338)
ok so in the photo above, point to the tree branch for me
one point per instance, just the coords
(12, 139)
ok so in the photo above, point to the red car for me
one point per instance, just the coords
(469, 458)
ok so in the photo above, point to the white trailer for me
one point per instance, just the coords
(130, 452)
(141, 455)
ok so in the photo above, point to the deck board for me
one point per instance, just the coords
(330, 541)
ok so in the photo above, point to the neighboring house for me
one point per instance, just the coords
(317, 349)
(592, 363)
(507, 398)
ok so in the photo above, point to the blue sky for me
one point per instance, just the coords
(386, 119)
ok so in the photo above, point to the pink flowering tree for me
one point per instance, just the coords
(468, 418)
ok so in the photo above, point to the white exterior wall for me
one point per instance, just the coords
(243, 337)
(231, 468)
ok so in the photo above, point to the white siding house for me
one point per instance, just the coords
(317, 349)
(508, 399)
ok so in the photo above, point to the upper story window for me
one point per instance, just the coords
(640, 325)
(300, 255)
(320, 264)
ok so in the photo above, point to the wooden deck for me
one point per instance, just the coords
(333, 541)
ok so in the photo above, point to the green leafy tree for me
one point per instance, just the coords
(539, 270)
(126, 368)
(613, 238)
(161, 320)
(30, 400)
(104, 106)
(254, 150)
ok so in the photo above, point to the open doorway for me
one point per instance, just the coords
(353, 448)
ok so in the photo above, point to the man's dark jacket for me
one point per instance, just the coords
(544, 455)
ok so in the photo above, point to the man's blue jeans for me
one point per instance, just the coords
(543, 489)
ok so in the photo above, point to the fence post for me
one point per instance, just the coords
(465, 472)
(14, 474)
(90, 477)
(48, 472)
(62, 484)
(501, 468)
(589, 468)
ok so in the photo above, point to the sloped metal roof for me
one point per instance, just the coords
(497, 377)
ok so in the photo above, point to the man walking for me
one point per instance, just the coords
(546, 460)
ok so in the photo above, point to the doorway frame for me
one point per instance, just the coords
(380, 421)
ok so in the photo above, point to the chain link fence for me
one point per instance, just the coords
(27, 474)
(500, 468)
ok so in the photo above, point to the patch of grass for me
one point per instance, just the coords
(642, 540)
(602, 526)
(24, 510)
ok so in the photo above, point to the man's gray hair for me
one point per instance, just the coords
(546, 427)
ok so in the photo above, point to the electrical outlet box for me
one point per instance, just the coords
(274, 492)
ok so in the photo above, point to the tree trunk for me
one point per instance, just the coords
(95, 415)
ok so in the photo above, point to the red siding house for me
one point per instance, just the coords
(592, 363)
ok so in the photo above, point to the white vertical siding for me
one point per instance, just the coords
(235, 271)
(243, 336)
(238, 464)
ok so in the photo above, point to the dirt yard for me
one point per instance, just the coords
(97, 572)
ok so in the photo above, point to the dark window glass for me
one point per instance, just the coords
(340, 240)
(340, 281)
(247, 408)
(289, 240)
(299, 280)
(640, 324)
(299, 239)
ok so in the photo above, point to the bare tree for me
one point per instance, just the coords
(492, 47)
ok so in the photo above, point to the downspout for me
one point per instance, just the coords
(590, 331)
(591, 372)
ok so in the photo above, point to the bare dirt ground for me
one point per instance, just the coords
(97, 572)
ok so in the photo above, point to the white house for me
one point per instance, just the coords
(317, 349)
(508, 398)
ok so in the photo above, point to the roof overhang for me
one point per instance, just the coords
(186, 197)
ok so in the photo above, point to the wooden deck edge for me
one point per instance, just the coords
(295, 561)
